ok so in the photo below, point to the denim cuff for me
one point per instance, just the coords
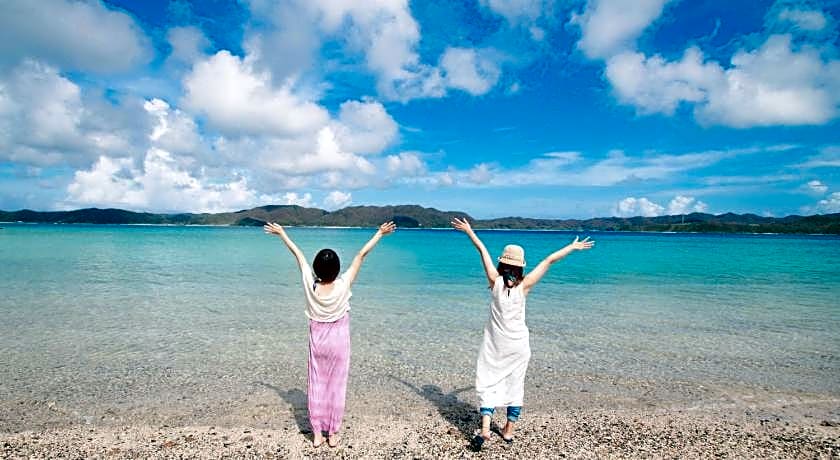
(513, 413)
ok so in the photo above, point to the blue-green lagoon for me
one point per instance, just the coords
(114, 324)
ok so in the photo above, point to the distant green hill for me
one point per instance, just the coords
(413, 216)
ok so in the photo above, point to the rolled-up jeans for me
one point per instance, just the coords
(512, 412)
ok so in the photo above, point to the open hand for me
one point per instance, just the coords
(579, 245)
(272, 228)
(461, 225)
(387, 228)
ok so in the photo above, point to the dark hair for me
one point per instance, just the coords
(510, 273)
(326, 265)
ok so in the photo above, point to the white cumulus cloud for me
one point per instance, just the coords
(405, 164)
(161, 184)
(830, 204)
(337, 199)
(46, 119)
(468, 70)
(775, 85)
(273, 127)
(809, 20)
(364, 127)
(299, 199)
(188, 44)
(632, 206)
(288, 47)
(480, 174)
(782, 82)
(327, 155)
(610, 26)
(653, 84)
(383, 32)
(74, 35)
(816, 186)
(772, 85)
(175, 131)
(521, 13)
(515, 11)
(237, 99)
(682, 204)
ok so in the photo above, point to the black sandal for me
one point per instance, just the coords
(477, 442)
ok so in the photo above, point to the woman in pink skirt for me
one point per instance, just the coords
(327, 307)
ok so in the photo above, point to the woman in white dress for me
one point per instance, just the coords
(505, 350)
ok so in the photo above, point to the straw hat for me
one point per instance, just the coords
(513, 255)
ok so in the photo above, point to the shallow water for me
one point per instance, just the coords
(132, 314)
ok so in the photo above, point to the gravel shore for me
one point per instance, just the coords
(405, 413)
(577, 434)
(635, 420)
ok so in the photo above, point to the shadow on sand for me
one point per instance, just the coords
(458, 413)
(297, 399)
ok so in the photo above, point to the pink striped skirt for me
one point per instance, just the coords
(329, 364)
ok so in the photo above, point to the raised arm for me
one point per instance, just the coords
(489, 269)
(276, 229)
(385, 229)
(537, 273)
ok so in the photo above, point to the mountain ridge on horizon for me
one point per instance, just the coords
(416, 216)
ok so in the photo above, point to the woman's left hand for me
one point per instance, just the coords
(579, 245)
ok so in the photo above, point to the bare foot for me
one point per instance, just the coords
(486, 422)
(507, 433)
(333, 439)
(317, 439)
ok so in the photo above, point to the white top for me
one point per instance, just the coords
(507, 310)
(328, 308)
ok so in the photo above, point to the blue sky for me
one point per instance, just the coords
(535, 108)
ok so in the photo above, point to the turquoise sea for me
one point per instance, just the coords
(103, 311)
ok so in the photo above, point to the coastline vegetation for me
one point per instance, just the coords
(413, 216)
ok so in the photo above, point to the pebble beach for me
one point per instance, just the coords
(570, 417)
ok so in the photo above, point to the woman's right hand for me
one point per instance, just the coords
(387, 228)
(461, 225)
(272, 228)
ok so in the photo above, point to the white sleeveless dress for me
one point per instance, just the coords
(505, 349)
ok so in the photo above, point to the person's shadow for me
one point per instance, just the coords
(453, 410)
(297, 399)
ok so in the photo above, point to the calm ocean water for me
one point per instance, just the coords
(83, 305)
